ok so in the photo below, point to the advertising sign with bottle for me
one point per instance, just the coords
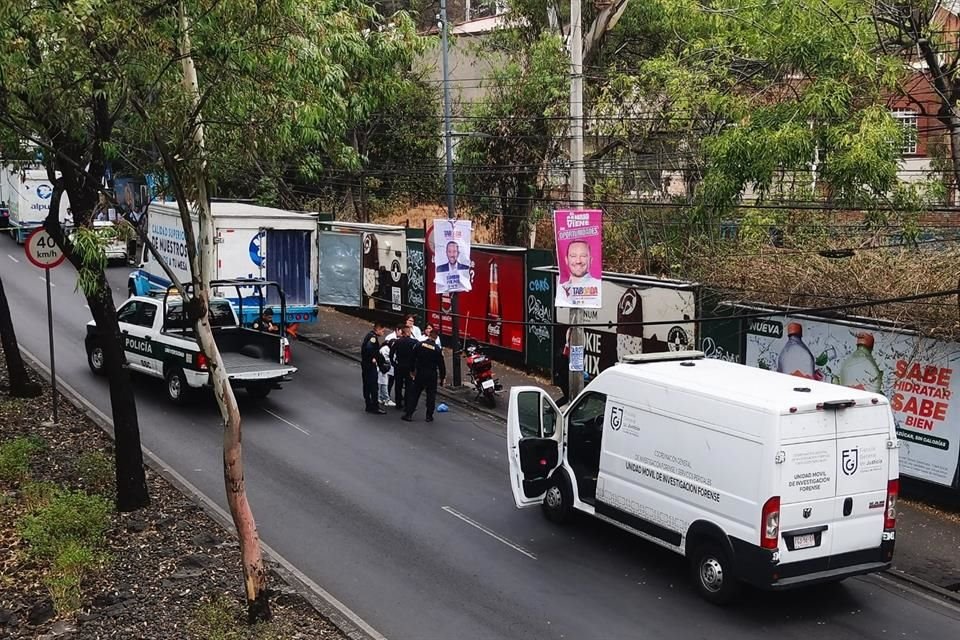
(492, 309)
(579, 257)
(451, 253)
(916, 374)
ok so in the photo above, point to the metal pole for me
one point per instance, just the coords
(448, 144)
(576, 165)
(53, 362)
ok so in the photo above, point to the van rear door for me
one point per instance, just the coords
(863, 470)
(808, 485)
(534, 436)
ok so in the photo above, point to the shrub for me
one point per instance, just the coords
(222, 619)
(96, 471)
(15, 457)
(69, 516)
(71, 566)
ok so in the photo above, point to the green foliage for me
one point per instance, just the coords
(15, 457)
(37, 494)
(72, 564)
(89, 245)
(96, 471)
(70, 517)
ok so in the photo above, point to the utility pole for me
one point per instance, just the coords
(576, 169)
(448, 143)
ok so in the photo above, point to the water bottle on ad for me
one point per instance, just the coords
(860, 370)
(795, 358)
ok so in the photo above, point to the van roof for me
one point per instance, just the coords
(762, 388)
(239, 210)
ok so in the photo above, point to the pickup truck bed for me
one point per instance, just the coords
(239, 364)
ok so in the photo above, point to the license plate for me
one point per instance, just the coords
(805, 541)
(487, 384)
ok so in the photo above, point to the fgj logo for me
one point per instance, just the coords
(44, 191)
(616, 418)
(850, 461)
(257, 254)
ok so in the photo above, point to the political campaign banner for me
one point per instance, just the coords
(451, 255)
(579, 257)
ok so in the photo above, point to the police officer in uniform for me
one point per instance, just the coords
(402, 356)
(368, 368)
(428, 367)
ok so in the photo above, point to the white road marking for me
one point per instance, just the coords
(12, 258)
(285, 421)
(44, 279)
(492, 534)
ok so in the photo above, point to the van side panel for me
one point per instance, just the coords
(661, 465)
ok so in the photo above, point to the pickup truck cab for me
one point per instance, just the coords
(160, 342)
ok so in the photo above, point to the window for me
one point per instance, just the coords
(907, 119)
(485, 8)
(587, 415)
(536, 415)
(129, 312)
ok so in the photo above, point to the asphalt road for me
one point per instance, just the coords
(413, 526)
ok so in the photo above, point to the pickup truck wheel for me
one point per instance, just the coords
(178, 391)
(713, 575)
(259, 391)
(558, 500)
(96, 359)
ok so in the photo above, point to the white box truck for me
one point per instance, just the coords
(754, 476)
(251, 242)
(27, 194)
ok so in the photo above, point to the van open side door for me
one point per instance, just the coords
(534, 436)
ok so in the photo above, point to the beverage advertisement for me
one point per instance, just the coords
(451, 252)
(916, 374)
(579, 257)
(630, 304)
(492, 311)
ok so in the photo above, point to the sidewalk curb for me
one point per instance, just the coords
(348, 622)
(897, 574)
(441, 391)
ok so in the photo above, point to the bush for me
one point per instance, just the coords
(69, 516)
(15, 457)
(71, 566)
(223, 619)
(96, 472)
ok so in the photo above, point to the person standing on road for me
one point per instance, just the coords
(410, 321)
(403, 365)
(368, 367)
(391, 339)
(385, 373)
(428, 369)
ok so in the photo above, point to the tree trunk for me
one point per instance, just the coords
(20, 385)
(131, 477)
(953, 126)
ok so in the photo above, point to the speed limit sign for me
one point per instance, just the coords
(42, 251)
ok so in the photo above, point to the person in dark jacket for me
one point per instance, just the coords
(368, 368)
(429, 368)
(402, 365)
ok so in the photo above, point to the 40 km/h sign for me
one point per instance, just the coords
(42, 251)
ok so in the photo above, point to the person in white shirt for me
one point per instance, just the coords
(410, 321)
(384, 377)
(580, 287)
(428, 330)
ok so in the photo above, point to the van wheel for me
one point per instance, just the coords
(713, 574)
(258, 391)
(96, 359)
(558, 500)
(178, 391)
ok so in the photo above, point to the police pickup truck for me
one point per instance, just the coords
(160, 341)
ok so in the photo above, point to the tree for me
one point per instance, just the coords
(20, 384)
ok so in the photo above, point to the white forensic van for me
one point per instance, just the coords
(754, 476)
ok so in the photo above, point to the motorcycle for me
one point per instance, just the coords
(480, 370)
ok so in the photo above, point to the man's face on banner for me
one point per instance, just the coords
(578, 259)
(453, 253)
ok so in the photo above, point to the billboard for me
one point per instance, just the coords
(629, 303)
(339, 276)
(451, 255)
(579, 257)
(915, 373)
(489, 313)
